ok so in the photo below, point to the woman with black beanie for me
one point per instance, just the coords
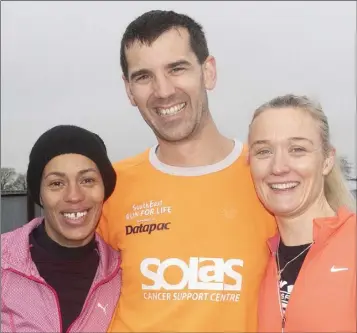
(57, 274)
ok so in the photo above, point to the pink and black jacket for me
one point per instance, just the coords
(29, 304)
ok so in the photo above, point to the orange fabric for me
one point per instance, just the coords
(201, 268)
(324, 295)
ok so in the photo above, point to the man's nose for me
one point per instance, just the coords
(163, 87)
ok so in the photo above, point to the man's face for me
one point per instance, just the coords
(168, 85)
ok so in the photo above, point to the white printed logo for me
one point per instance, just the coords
(285, 292)
(194, 276)
(336, 269)
(145, 215)
(146, 211)
(104, 308)
(282, 284)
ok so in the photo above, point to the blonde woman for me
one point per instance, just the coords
(310, 281)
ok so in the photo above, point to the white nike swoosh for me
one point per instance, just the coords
(336, 269)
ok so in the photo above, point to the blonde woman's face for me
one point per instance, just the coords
(287, 161)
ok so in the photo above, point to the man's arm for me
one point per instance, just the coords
(104, 228)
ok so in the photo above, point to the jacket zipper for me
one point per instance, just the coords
(307, 260)
(283, 317)
(30, 277)
(283, 323)
(95, 287)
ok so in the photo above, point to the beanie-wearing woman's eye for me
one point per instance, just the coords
(88, 181)
(56, 184)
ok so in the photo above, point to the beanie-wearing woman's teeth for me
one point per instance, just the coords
(171, 111)
(75, 215)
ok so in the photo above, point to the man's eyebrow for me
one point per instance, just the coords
(178, 63)
(139, 72)
(171, 65)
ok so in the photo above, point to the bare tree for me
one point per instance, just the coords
(346, 168)
(8, 175)
(19, 183)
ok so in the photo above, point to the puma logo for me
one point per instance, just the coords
(104, 308)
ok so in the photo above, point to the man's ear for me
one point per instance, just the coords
(128, 91)
(209, 72)
(329, 162)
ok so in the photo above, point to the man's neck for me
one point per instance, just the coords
(206, 148)
(298, 230)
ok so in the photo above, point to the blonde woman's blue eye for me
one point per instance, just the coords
(298, 149)
(263, 152)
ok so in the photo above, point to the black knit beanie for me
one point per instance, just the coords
(68, 139)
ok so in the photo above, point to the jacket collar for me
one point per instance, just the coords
(15, 252)
(323, 229)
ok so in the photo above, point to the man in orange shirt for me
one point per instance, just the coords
(184, 213)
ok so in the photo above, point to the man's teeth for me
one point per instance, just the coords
(171, 111)
(75, 215)
(284, 186)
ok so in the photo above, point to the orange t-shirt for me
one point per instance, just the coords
(193, 244)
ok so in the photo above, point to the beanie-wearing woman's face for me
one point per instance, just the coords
(72, 194)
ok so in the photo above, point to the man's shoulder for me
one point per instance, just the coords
(131, 162)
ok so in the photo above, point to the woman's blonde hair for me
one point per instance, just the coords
(336, 190)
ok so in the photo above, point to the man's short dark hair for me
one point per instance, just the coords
(151, 25)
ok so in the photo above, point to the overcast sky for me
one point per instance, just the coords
(60, 64)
